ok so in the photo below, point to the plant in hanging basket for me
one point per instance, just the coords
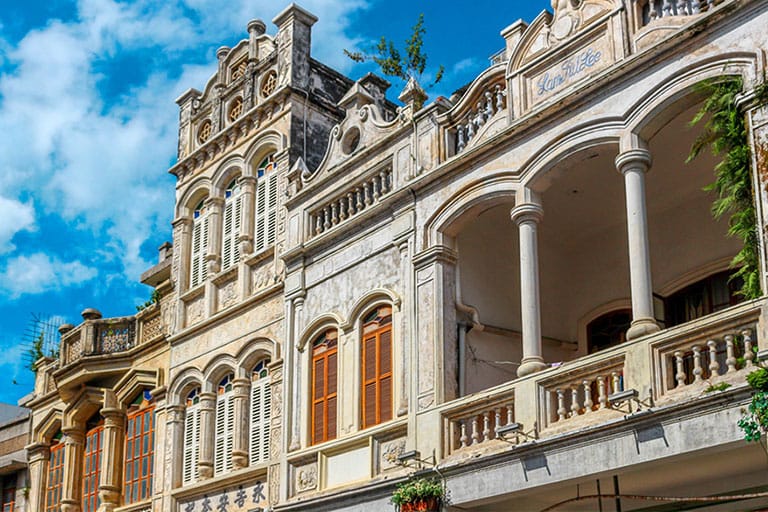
(419, 495)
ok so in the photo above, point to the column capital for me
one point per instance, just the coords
(241, 386)
(246, 180)
(634, 159)
(214, 202)
(183, 222)
(38, 451)
(527, 212)
(207, 400)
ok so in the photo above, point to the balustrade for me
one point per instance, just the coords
(583, 391)
(490, 103)
(352, 202)
(658, 9)
(708, 359)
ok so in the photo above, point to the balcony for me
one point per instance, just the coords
(684, 364)
(98, 336)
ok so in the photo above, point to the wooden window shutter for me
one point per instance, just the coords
(224, 432)
(324, 390)
(376, 368)
(260, 414)
(191, 444)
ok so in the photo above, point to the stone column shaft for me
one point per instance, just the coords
(110, 482)
(633, 165)
(207, 434)
(527, 216)
(215, 207)
(72, 482)
(38, 456)
(248, 191)
(242, 391)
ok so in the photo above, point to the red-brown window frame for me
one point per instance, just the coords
(373, 330)
(55, 480)
(324, 349)
(8, 504)
(92, 468)
(134, 476)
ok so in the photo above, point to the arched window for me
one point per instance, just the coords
(225, 426)
(199, 270)
(376, 367)
(608, 330)
(191, 437)
(324, 386)
(261, 402)
(139, 449)
(266, 203)
(233, 209)
(92, 464)
(55, 475)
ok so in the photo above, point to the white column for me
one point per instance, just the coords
(207, 434)
(633, 165)
(527, 216)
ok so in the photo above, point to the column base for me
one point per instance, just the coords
(204, 471)
(642, 327)
(239, 459)
(531, 365)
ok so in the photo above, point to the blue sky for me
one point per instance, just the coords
(88, 130)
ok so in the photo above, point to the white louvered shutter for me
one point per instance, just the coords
(191, 444)
(266, 212)
(199, 270)
(224, 431)
(231, 229)
(261, 404)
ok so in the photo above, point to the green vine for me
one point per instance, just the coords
(754, 421)
(725, 134)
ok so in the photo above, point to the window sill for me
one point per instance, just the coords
(234, 477)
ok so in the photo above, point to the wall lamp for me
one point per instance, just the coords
(762, 355)
(516, 429)
(628, 397)
(406, 458)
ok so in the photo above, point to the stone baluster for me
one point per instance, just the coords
(666, 9)
(368, 193)
(463, 439)
(326, 219)
(710, 4)
(342, 208)
(334, 214)
(461, 143)
(318, 224)
(351, 203)
(654, 13)
(616, 380)
(498, 425)
(602, 396)
(376, 188)
(749, 355)
(486, 426)
(695, 6)
(697, 371)
(713, 365)
(499, 98)
(489, 104)
(574, 401)
(560, 405)
(587, 396)
(360, 203)
(470, 128)
(680, 375)
(731, 355)
(475, 431)
(510, 414)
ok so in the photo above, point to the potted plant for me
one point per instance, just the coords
(419, 495)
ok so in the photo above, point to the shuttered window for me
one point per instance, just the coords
(198, 268)
(9, 499)
(261, 403)
(191, 437)
(92, 469)
(324, 386)
(139, 450)
(233, 209)
(266, 204)
(225, 426)
(55, 477)
(377, 367)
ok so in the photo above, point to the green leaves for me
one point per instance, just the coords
(418, 489)
(725, 134)
(410, 63)
(755, 422)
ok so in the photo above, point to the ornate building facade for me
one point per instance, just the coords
(520, 289)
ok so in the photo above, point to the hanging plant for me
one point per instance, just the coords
(725, 134)
(419, 494)
(754, 421)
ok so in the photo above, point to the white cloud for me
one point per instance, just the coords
(39, 272)
(100, 163)
(15, 216)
